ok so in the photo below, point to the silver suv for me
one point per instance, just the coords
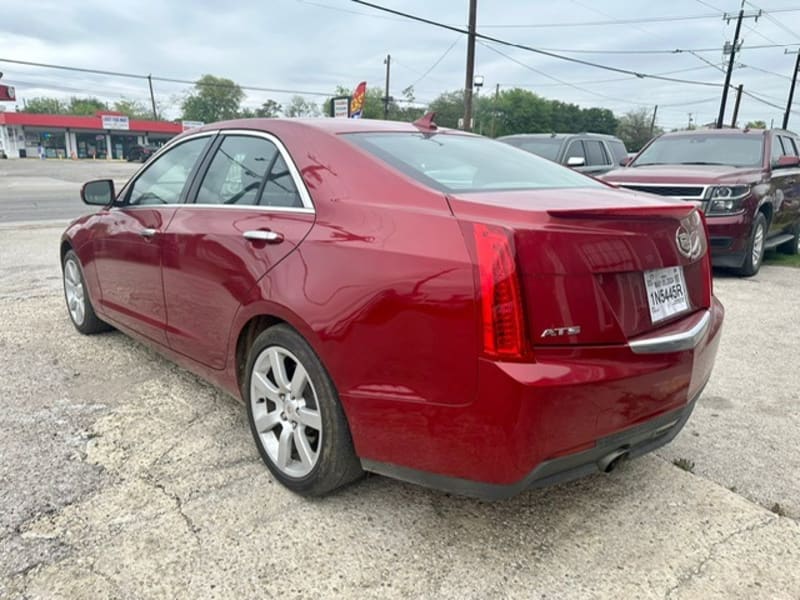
(590, 153)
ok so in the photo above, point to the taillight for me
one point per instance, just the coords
(501, 301)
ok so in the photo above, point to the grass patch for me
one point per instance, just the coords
(773, 257)
(685, 464)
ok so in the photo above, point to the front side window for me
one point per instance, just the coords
(164, 180)
(738, 150)
(452, 162)
(575, 150)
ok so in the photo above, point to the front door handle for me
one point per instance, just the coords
(148, 232)
(261, 235)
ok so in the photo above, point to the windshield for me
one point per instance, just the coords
(465, 163)
(744, 150)
(544, 147)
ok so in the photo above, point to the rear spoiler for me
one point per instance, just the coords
(676, 211)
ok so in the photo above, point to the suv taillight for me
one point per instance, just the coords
(502, 317)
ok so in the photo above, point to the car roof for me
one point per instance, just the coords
(326, 125)
(725, 131)
(558, 136)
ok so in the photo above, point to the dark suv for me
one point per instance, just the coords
(590, 153)
(141, 153)
(746, 180)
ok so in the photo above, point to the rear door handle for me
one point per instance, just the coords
(148, 232)
(260, 235)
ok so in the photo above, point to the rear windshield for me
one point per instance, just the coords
(744, 150)
(466, 163)
(546, 148)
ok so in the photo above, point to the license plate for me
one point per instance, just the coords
(666, 292)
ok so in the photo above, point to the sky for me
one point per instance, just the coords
(311, 46)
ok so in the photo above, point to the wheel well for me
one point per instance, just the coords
(65, 247)
(247, 336)
(767, 210)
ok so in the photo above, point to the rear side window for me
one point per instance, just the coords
(237, 171)
(453, 162)
(279, 189)
(595, 153)
(618, 150)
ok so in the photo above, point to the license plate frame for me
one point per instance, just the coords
(666, 293)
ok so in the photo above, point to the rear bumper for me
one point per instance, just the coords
(630, 443)
(533, 424)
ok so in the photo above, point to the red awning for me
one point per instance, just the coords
(73, 122)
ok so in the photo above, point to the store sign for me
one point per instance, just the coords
(7, 93)
(115, 122)
(340, 107)
(191, 124)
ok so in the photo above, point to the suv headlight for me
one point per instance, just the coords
(725, 199)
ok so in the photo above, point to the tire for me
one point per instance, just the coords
(793, 245)
(79, 305)
(755, 247)
(297, 421)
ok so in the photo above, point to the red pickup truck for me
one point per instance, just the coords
(747, 182)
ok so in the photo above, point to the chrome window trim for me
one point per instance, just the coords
(674, 342)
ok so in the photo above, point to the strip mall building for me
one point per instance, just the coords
(105, 135)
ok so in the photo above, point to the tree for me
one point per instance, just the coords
(756, 125)
(46, 106)
(300, 107)
(449, 108)
(634, 129)
(213, 99)
(269, 109)
(133, 109)
(87, 107)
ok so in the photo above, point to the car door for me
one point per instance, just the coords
(249, 210)
(127, 254)
(597, 159)
(785, 184)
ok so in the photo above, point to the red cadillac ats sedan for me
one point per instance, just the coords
(397, 298)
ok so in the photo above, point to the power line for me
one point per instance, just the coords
(502, 42)
(663, 50)
(436, 63)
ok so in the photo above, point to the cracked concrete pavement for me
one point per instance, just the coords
(123, 476)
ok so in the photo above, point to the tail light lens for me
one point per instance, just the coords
(500, 298)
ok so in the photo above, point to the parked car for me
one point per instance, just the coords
(3, 154)
(417, 302)
(590, 153)
(139, 153)
(746, 180)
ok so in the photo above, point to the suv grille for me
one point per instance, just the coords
(681, 191)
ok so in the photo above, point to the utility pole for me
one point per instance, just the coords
(387, 98)
(689, 126)
(494, 109)
(733, 49)
(152, 97)
(473, 9)
(653, 120)
(736, 106)
(791, 88)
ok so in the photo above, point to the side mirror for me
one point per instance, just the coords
(576, 161)
(787, 161)
(99, 192)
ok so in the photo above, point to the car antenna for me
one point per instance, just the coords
(426, 122)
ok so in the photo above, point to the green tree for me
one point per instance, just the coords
(133, 109)
(449, 108)
(756, 125)
(46, 106)
(213, 99)
(634, 129)
(87, 107)
(269, 109)
(300, 107)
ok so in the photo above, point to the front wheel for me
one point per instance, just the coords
(79, 306)
(295, 415)
(755, 247)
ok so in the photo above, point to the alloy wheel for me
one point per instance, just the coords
(286, 411)
(73, 288)
(758, 244)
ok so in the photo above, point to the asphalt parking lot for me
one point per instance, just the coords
(124, 476)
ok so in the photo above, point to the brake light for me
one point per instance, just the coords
(500, 297)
